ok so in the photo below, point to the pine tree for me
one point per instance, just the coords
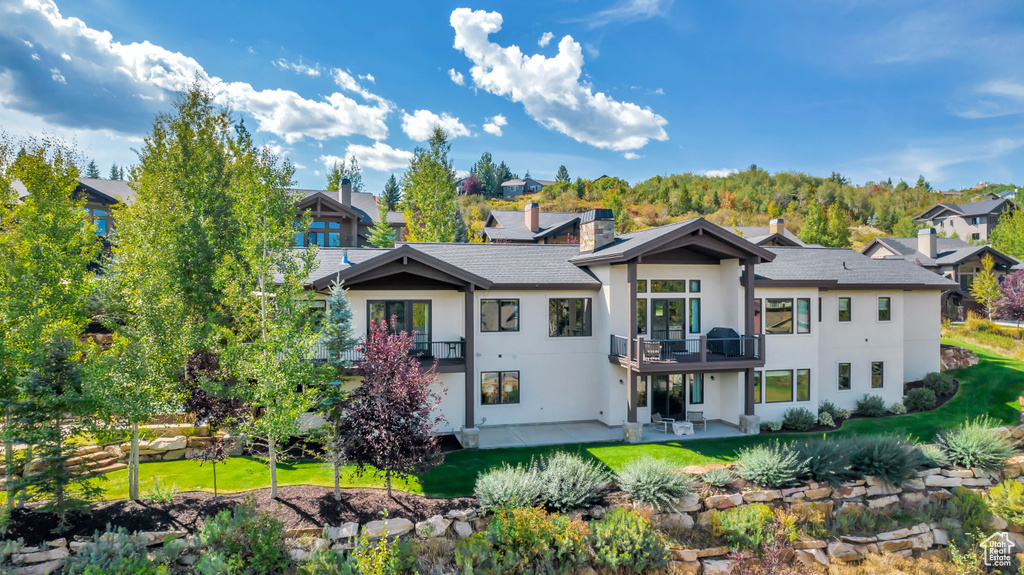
(338, 337)
(382, 234)
(92, 170)
(461, 231)
(485, 171)
(562, 175)
(923, 185)
(985, 288)
(115, 172)
(392, 195)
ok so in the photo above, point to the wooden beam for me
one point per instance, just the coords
(470, 357)
(748, 330)
(631, 391)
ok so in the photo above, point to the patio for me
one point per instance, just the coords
(497, 436)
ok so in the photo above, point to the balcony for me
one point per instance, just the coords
(684, 355)
(449, 355)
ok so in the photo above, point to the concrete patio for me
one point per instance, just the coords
(493, 437)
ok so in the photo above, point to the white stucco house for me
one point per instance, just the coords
(688, 316)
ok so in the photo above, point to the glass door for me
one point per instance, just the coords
(668, 317)
(668, 396)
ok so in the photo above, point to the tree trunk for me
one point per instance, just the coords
(9, 460)
(61, 471)
(133, 465)
(215, 480)
(337, 482)
(28, 466)
(387, 481)
(273, 467)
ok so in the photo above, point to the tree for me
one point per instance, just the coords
(838, 234)
(92, 170)
(985, 287)
(815, 228)
(342, 170)
(839, 179)
(502, 174)
(338, 337)
(392, 194)
(923, 184)
(215, 452)
(430, 204)
(487, 174)
(471, 185)
(1008, 237)
(1011, 297)
(389, 420)
(116, 172)
(562, 175)
(382, 235)
(905, 227)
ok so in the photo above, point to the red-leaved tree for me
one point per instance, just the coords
(389, 420)
(471, 186)
(1010, 304)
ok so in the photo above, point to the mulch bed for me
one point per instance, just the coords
(298, 506)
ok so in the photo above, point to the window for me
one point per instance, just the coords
(966, 281)
(757, 316)
(757, 387)
(845, 309)
(569, 317)
(884, 313)
(641, 316)
(819, 310)
(499, 315)
(778, 386)
(641, 286)
(975, 236)
(694, 286)
(844, 377)
(877, 375)
(803, 385)
(498, 387)
(803, 315)
(410, 316)
(694, 315)
(671, 286)
(641, 391)
(778, 316)
(99, 217)
(696, 388)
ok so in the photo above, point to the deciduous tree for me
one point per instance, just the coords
(1011, 298)
(345, 169)
(985, 287)
(1008, 237)
(430, 204)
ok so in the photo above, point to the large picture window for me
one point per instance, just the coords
(778, 316)
(877, 375)
(694, 315)
(803, 315)
(844, 377)
(569, 317)
(499, 315)
(845, 309)
(778, 386)
(884, 309)
(410, 316)
(499, 387)
(803, 385)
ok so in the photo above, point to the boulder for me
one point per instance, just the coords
(674, 521)
(436, 526)
(820, 493)
(40, 568)
(685, 555)
(160, 537)
(812, 558)
(712, 552)
(962, 473)
(943, 481)
(686, 567)
(597, 512)
(393, 527)
(922, 542)
(463, 529)
(812, 544)
(850, 491)
(940, 537)
(761, 495)
(462, 514)
(168, 443)
(724, 501)
(883, 502)
(345, 531)
(688, 504)
(40, 556)
(175, 455)
(895, 545)
(718, 566)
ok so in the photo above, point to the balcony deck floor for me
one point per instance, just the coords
(577, 432)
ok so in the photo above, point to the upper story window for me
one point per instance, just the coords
(845, 309)
(100, 218)
(409, 316)
(668, 286)
(322, 233)
(845, 377)
(569, 317)
(757, 316)
(499, 315)
(694, 315)
(884, 309)
(641, 316)
(641, 286)
(877, 375)
(778, 316)
(694, 286)
(803, 315)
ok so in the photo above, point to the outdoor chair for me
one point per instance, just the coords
(664, 422)
(697, 418)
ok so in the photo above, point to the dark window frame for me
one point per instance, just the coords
(807, 373)
(790, 372)
(758, 386)
(694, 329)
(655, 284)
(797, 313)
(642, 391)
(641, 316)
(758, 316)
(880, 375)
(500, 302)
(694, 286)
(571, 313)
(792, 315)
(501, 390)
(695, 379)
(888, 308)
(848, 377)
(849, 309)
(408, 303)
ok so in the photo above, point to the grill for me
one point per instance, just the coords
(724, 341)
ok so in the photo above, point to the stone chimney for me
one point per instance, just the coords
(597, 229)
(927, 242)
(345, 192)
(777, 226)
(532, 212)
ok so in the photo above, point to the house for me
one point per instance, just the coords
(100, 198)
(531, 226)
(520, 186)
(951, 258)
(678, 318)
(972, 221)
(772, 235)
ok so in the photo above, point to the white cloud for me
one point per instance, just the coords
(550, 88)
(119, 86)
(420, 125)
(493, 125)
(999, 98)
(460, 174)
(629, 11)
(457, 77)
(345, 81)
(56, 76)
(379, 157)
(631, 156)
(368, 78)
(545, 39)
(299, 68)
(934, 158)
(66, 57)
(720, 173)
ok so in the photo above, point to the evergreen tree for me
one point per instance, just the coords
(581, 188)
(115, 172)
(923, 185)
(382, 235)
(92, 170)
(502, 174)
(485, 171)
(392, 195)
(430, 204)
(461, 230)
(985, 288)
(562, 175)
(339, 338)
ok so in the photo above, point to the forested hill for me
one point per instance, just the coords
(750, 197)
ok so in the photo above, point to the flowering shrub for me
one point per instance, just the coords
(897, 409)
(825, 418)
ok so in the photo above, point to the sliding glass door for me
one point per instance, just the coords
(668, 395)
(409, 316)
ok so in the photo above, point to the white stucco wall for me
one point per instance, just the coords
(921, 333)
(792, 351)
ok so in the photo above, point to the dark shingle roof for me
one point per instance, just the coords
(115, 190)
(513, 225)
(841, 267)
(970, 209)
(625, 242)
(757, 234)
(949, 251)
(362, 202)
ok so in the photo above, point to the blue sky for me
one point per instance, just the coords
(631, 88)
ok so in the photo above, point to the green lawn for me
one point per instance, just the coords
(991, 387)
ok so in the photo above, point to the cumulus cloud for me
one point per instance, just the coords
(119, 86)
(368, 78)
(545, 39)
(550, 88)
(720, 173)
(631, 156)
(493, 125)
(420, 125)
(379, 157)
(457, 77)
(299, 68)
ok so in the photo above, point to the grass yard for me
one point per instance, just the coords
(991, 388)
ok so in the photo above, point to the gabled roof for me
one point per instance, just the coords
(108, 191)
(948, 251)
(971, 209)
(761, 235)
(362, 203)
(522, 181)
(507, 225)
(839, 268)
(651, 240)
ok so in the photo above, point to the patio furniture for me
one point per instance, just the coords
(682, 428)
(664, 422)
(697, 417)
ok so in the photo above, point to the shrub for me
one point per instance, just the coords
(508, 486)
(626, 540)
(654, 482)
(825, 461)
(1007, 499)
(383, 556)
(940, 383)
(242, 540)
(160, 492)
(933, 456)
(871, 406)
(975, 444)
(859, 521)
(745, 526)
(897, 408)
(834, 412)
(890, 458)
(825, 419)
(327, 562)
(115, 552)
(771, 426)
(718, 477)
(973, 513)
(920, 399)
(844, 414)
(571, 482)
(770, 465)
(524, 540)
(799, 419)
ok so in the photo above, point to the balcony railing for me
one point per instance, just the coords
(701, 350)
(425, 351)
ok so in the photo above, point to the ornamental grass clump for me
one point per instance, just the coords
(654, 482)
(933, 456)
(770, 465)
(571, 482)
(718, 477)
(507, 486)
(976, 444)
(891, 458)
(798, 419)
(825, 461)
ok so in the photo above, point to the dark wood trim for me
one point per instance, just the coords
(749, 328)
(648, 368)
(828, 285)
(470, 353)
(404, 253)
(631, 390)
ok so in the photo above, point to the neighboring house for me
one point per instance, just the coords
(531, 226)
(341, 218)
(518, 187)
(100, 198)
(683, 317)
(973, 221)
(951, 258)
(772, 235)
